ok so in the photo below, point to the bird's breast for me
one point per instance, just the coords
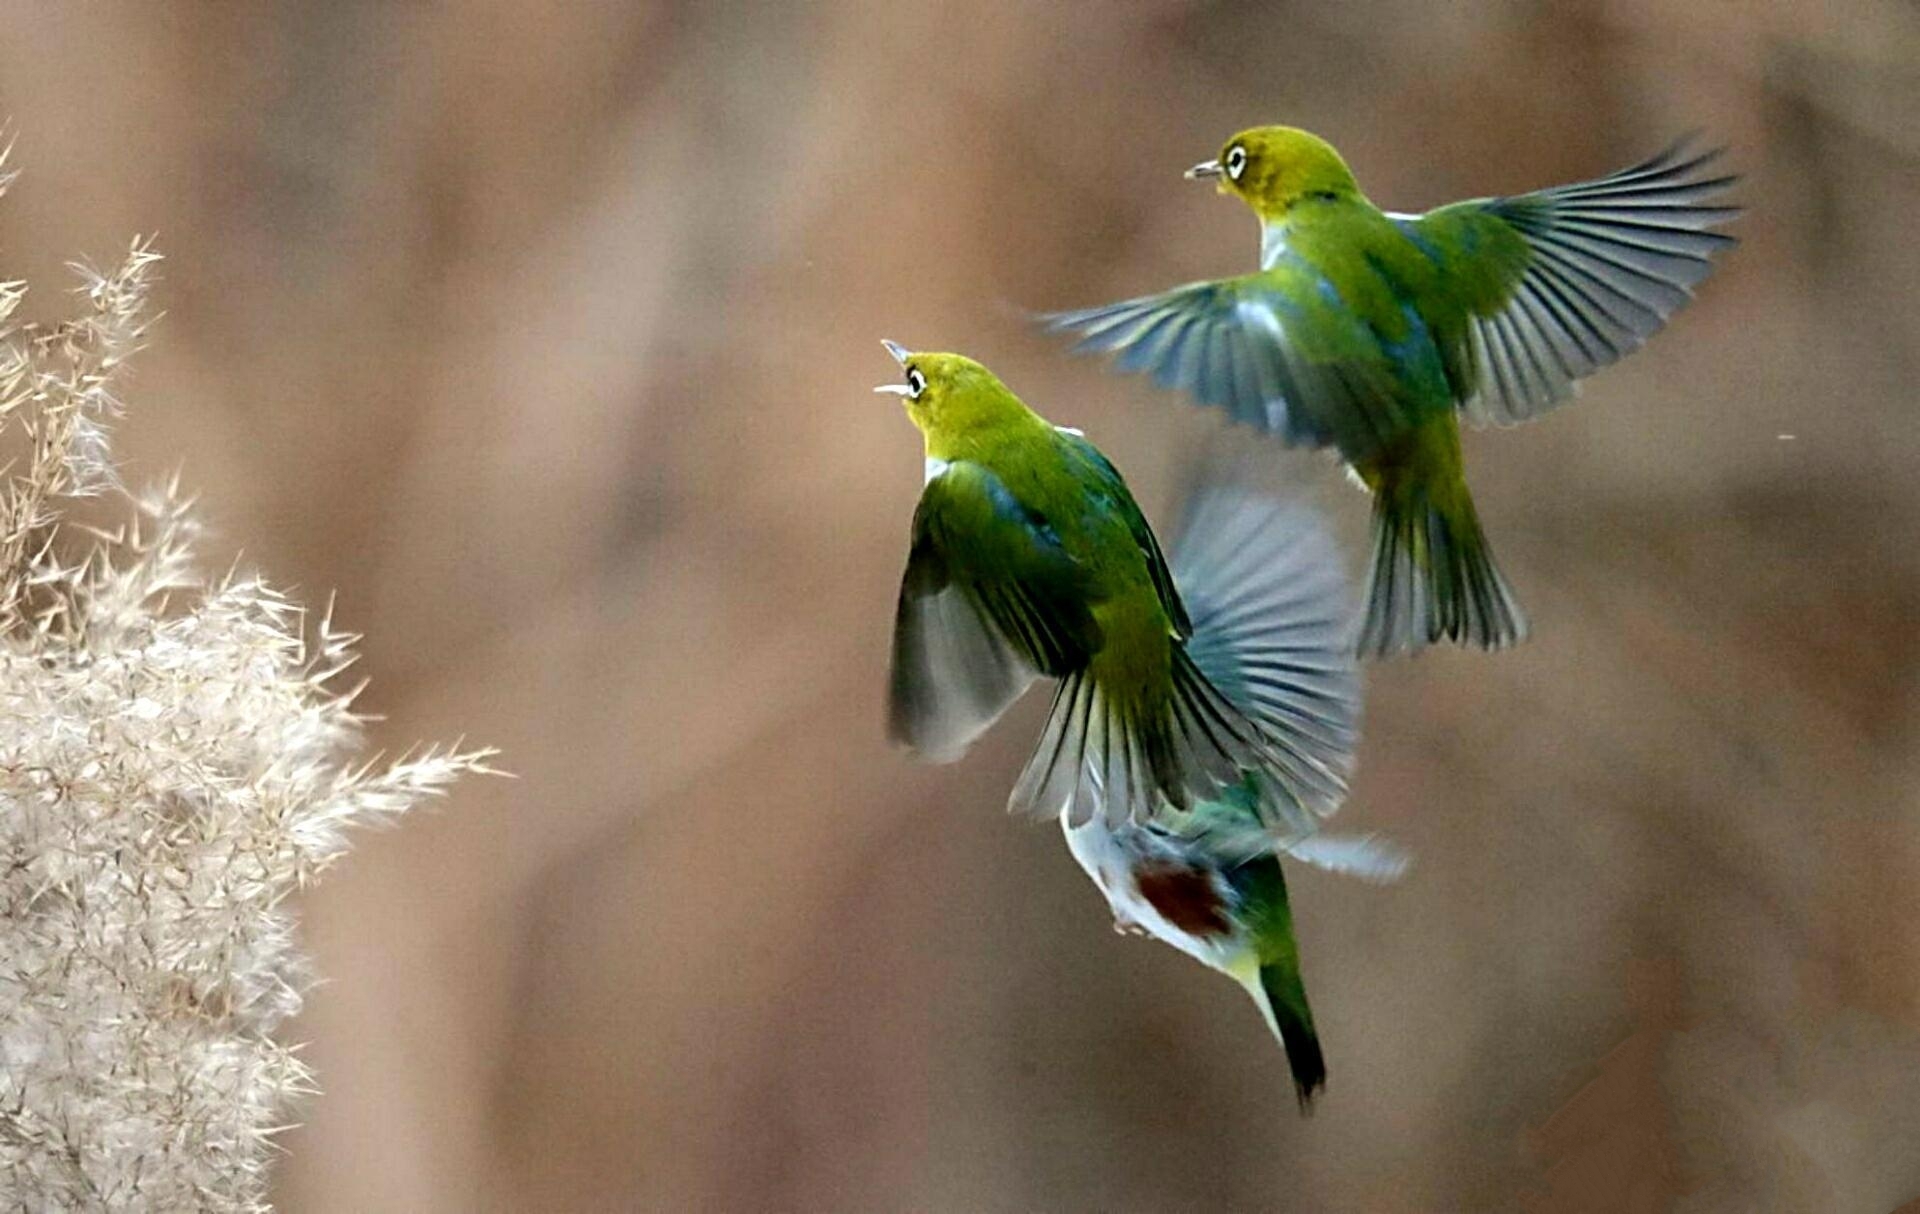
(1184, 896)
(1151, 884)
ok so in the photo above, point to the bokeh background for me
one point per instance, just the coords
(543, 334)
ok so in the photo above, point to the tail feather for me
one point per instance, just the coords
(1433, 575)
(1265, 683)
(1098, 757)
(1051, 783)
(1271, 973)
(1284, 999)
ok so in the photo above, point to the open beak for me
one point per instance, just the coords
(900, 355)
(1206, 170)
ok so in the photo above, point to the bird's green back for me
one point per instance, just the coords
(1357, 294)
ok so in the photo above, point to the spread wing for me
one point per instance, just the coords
(1268, 348)
(989, 602)
(1570, 279)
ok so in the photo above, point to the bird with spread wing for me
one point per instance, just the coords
(1371, 333)
(1206, 707)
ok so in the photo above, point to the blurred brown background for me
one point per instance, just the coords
(544, 334)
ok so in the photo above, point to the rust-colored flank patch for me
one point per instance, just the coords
(1185, 897)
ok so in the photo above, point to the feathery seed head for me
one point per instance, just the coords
(174, 761)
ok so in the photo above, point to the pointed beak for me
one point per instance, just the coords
(1206, 170)
(900, 355)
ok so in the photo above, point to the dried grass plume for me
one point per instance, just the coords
(175, 759)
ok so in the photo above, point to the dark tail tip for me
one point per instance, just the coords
(1287, 999)
(1307, 1063)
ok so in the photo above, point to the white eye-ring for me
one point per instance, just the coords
(916, 383)
(1236, 161)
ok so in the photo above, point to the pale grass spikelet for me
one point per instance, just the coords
(174, 761)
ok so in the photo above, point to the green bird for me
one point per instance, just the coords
(1030, 558)
(1278, 575)
(1370, 332)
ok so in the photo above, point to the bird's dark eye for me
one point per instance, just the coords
(1236, 161)
(916, 383)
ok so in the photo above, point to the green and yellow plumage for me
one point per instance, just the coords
(1266, 579)
(1030, 558)
(1370, 333)
(1207, 709)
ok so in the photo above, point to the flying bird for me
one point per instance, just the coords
(1030, 558)
(1371, 333)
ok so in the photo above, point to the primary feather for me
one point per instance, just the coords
(1607, 263)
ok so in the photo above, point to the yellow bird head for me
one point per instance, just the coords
(951, 397)
(1273, 167)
